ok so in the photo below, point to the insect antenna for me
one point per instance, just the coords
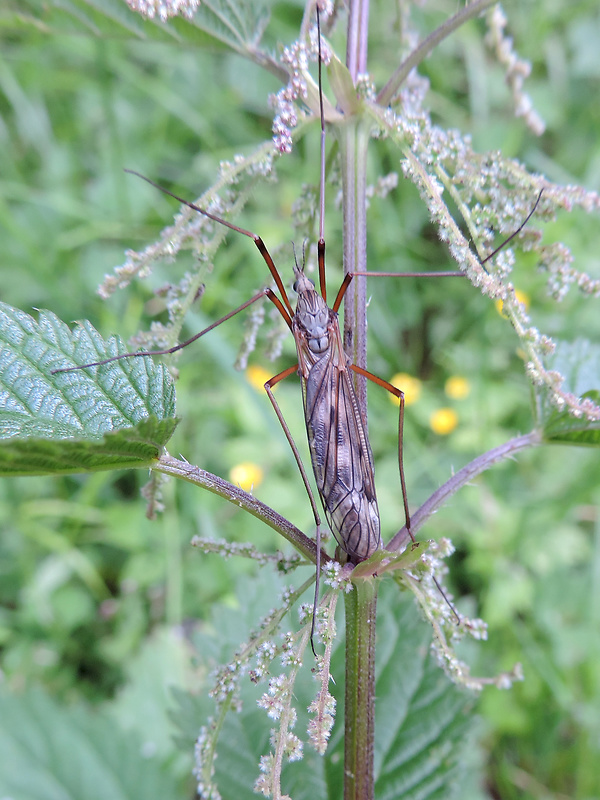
(321, 243)
(177, 347)
(322, 286)
(515, 233)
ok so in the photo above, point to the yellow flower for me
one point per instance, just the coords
(258, 376)
(409, 385)
(246, 475)
(443, 421)
(522, 297)
(457, 387)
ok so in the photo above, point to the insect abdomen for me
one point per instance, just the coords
(341, 458)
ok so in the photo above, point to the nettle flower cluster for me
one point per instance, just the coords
(494, 195)
(296, 58)
(274, 659)
(425, 580)
(164, 9)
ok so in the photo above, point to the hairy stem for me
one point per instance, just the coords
(361, 603)
(385, 96)
(357, 40)
(361, 608)
(354, 140)
(206, 480)
(462, 477)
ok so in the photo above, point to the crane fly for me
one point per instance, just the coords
(340, 452)
(337, 435)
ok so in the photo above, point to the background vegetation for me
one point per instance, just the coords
(94, 597)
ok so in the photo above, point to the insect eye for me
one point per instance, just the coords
(295, 287)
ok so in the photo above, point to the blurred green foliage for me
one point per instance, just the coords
(86, 580)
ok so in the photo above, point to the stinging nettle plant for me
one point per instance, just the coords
(122, 414)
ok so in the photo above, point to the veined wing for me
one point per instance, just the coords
(341, 456)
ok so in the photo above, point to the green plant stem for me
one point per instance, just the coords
(357, 38)
(361, 608)
(386, 94)
(361, 603)
(462, 477)
(206, 480)
(354, 139)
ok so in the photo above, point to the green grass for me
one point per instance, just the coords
(85, 578)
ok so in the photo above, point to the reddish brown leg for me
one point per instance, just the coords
(269, 390)
(400, 395)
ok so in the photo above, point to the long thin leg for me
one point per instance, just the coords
(321, 244)
(518, 231)
(263, 293)
(458, 273)
(288, 434)
(443, 274)
(269, 390)
(400, 395)
(348, 278)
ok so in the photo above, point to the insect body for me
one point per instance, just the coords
(340, 452)
(341, 456)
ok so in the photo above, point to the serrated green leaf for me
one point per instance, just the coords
(561, 427)
(422, 720)
(53, 753)
(237, 23)
(161, 666)
(579, 363)
(138, 446)
(116, 415)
